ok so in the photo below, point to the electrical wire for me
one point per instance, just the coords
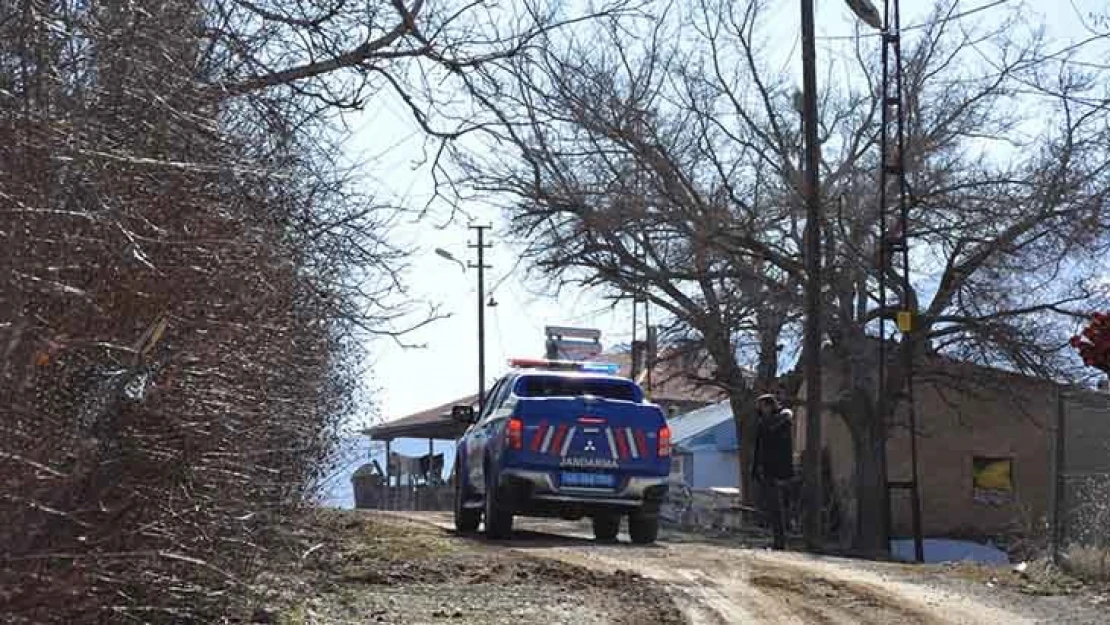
(944, 20)
(497, 332)
(518, 301)
(511, 271)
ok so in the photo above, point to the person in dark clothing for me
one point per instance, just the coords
(773, 462)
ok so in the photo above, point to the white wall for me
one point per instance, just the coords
(712, 467)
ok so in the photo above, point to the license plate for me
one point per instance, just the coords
(587, 480)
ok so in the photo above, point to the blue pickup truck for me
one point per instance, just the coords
(563, 439)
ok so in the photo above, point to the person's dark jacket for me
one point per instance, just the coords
(774, 447)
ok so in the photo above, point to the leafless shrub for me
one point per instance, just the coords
(1087, 527)
(187, 279)
(1091, 563)
(176, 359)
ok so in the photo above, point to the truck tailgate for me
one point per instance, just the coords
(591, 433)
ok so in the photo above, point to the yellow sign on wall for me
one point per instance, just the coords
(993, 473)
(993, 481)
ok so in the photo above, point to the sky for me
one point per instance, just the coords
(406, 380)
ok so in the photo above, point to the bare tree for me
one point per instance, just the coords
(608, 196)
(1007, 188)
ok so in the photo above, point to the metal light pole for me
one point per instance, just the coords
(892, 177)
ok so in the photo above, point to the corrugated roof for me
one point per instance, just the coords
(689, 425)
(431, 423)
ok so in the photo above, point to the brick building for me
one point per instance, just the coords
(985, 449)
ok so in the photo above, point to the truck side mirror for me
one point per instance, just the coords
(464, 414)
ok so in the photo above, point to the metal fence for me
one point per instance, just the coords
(378, 492)
(1079, 520)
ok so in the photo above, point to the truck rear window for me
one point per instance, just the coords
(563, 386)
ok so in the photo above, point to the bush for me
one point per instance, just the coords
(179, 316)
(1090, 563)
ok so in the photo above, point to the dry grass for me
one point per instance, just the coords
(1089, 563)
(1040, 577)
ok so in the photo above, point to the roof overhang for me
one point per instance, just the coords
(434, 423)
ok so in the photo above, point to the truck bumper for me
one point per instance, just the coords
(537, 491)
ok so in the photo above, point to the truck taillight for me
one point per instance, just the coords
(514, 433)
(664, 441)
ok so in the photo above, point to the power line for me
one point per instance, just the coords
(500, 337)
(511, 271)
(521, 304)
(943, 20)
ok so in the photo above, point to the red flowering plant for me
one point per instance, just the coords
(1093, 343)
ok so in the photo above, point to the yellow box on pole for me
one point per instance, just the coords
(905, 320)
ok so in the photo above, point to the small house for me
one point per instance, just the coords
(705, 447)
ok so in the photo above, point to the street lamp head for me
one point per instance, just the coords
(867, 13)
(451, 257)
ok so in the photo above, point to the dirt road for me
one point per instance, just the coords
(342, 567)
(713, 583)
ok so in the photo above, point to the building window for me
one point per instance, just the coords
(992, 480)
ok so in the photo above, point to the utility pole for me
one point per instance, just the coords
(481, 246)
(811, 463)
(811, 346)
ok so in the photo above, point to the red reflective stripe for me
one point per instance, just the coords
(641, 443)
(591, 420)
(622, 446)
(557, 442)
(537, 438)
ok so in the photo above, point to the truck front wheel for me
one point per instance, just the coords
(466, 519)
(499, 521)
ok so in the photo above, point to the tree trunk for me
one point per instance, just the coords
(872, 531)
(741, 402)
(743, 415)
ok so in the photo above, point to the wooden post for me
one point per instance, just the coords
(387, 500)
(428, 475)
(431, 454)
(1056, 485)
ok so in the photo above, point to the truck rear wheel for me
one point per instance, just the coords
(606, 527)
(643, 528)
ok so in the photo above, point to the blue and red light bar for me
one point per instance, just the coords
(564, 365)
